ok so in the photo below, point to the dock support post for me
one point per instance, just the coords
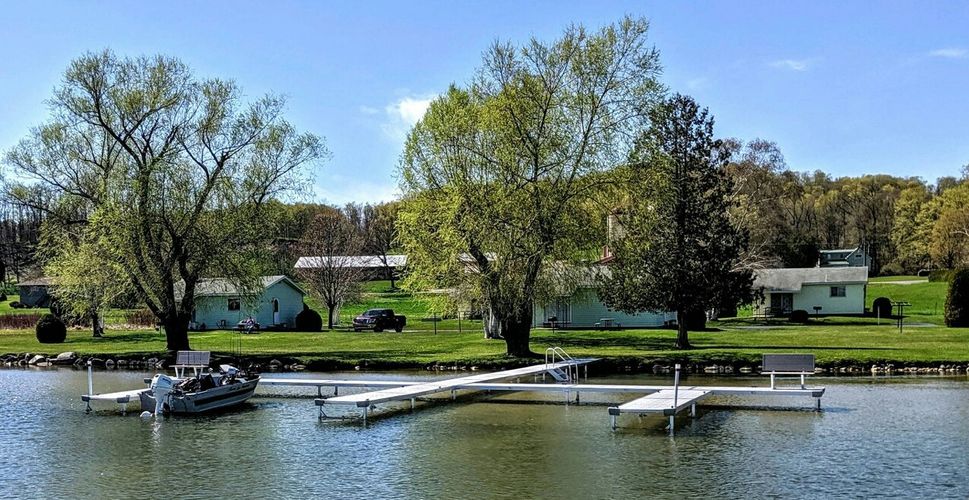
(772, 380)
(412, 403)
(613, 418)
(336, 391)
(568, 397)
(586, 368)
(365, 409)
(576, 397)
(453, 395)
(693, 410)
(802, 380)
(672, 424)
(819, 404)
(319, 391)
(90, 385)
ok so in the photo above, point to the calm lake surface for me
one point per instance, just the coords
(875, 437)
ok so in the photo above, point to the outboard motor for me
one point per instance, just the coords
(161, 386)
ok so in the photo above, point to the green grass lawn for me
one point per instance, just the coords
(897, 278)
(833, 340)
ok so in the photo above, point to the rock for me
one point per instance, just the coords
(122, 363)
(36, 359)
(746, 369)
(275, 362)
(97, 362)
(299, 368)
(657, 369)
(65, 358)
(109, 364)
(474, 368)
(711, 369)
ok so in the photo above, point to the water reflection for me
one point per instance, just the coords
(874, 438)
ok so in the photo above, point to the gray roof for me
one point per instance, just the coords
(37, 282)
(792, 279)
(361, 261)
(224, 286)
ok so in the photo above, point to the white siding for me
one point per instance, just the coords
(820, 295)
(211, 310)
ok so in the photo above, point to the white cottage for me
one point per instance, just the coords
(835, 290)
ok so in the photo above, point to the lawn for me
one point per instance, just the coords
(834, 341)
(880, 279)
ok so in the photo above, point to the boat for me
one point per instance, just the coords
(201, 392)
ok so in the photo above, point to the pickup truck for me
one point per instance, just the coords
(379, 320)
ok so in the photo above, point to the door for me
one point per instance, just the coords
(275, 311)
(782, 303)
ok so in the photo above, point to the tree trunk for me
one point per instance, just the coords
(492, 327)
(96, 326)
(390, 272)
(682, 338)
(176, 331)
(517, 328)
(329, 317)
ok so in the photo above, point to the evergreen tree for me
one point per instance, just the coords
(680, 252)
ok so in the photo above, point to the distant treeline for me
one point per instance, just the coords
(904, 223)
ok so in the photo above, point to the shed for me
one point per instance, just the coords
(36, 292)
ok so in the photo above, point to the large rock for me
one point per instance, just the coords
(36, 359)
(64, 358)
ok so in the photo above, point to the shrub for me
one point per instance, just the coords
(941, 275)
(957, 302)
(892, 269)
(882, 307)
(799, 316)
(3, 296)
(16, 305)
(309, 320)
(51, 330)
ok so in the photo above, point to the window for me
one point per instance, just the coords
(234, 304)
(837, 291)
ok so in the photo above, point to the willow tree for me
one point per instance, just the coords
(497, 176)
(169, 175)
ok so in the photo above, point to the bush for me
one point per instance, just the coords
(309, 320)
(3, 296)
(892, 269)
(941, 275)
(799, 316)
(16, 305)
(51, 330)
(140, 317)
(957, 302)
(882, 307)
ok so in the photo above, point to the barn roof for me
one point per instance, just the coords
(355, 261)
(225, 286)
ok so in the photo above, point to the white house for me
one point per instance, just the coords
(582, 308)
(219, 303)
(835, 290)
(844, 257)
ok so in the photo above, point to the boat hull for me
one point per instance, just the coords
(217, 398)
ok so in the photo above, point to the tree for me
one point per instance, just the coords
(911, 252)
(497, 176)
(86, 284)
(329, 245)
(380, 232)
(957, 301)
(169, 175)
(681, 251)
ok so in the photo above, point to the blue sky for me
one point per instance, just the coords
(846, 87)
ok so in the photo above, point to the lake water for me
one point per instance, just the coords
(875, 437)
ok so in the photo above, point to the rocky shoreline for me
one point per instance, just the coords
(606, 366)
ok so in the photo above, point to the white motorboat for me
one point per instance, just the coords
(200, 392)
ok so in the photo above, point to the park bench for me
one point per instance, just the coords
(787, 364)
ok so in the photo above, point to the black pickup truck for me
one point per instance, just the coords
(379, 320)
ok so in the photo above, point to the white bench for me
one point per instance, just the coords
(787, 364)
(196, 360)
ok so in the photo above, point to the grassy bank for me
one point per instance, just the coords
(833, 341)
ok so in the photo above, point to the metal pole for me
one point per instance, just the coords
(90, 379)
(676, 386)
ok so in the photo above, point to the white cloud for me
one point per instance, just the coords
(338, 189)
(950, 53)
(793, 64)
(368, 110)
(403, 114)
